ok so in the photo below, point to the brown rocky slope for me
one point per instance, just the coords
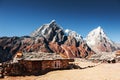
(48, 38)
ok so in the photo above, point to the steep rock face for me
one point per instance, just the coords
(51, 32)
(66, 42)
(74, 34)
(99, 41)
(48, 38)
(71, 41)
(55, 47)
(34, 45)
(3, 55)
(85, 50)
(69, 51)
(8, 47)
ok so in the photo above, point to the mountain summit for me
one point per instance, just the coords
(48, 38)
(50, 31)
(52, 38)
(41, 31)
(78, 37)
(99, 42)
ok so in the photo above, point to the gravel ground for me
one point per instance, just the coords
(98, 72)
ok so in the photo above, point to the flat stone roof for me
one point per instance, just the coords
(41, 56)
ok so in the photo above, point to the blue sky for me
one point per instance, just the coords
(21, 17)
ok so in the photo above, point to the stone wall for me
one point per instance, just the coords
(27, 67)
(54, 64)
(14, 69)
(32, 67)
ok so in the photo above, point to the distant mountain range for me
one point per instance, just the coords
(52, 38)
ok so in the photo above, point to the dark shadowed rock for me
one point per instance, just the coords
(9, 46)
(35, 45)
(71, 41)
(48, 38)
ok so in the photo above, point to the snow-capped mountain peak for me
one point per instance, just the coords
(53, 21)
(97, 39)
(99, 31)
(41, 31)
(99, 28)
(51, 32)
(69, 32)
(97, 35)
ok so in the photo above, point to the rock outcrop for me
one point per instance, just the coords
(8, 47)
(51, 32)
(48, 38)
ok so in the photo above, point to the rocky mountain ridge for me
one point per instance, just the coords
(52, 38)
(99, 42)
(48, 38)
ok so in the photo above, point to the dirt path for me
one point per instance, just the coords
(100, 72)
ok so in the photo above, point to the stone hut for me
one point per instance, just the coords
(39, 63)
(117, 53)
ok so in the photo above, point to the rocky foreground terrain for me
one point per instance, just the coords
(98, 72)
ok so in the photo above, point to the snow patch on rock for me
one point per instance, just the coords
(77, 36)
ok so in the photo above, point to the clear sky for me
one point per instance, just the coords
(21, 17)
